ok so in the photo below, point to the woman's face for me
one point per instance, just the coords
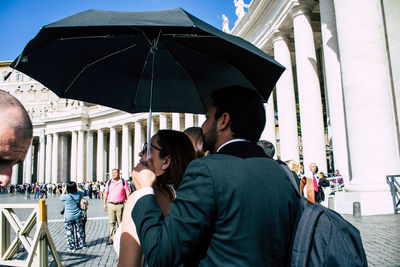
(154, 162)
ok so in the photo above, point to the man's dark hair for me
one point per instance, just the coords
(268, 147)
(245, 108)
(22, 127)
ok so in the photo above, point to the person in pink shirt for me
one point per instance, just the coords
(115, 194)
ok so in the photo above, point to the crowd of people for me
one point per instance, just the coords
(208, 196)
(91, 190)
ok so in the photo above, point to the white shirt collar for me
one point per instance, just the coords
(232, 141)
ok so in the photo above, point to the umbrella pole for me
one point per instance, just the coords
(153, 53)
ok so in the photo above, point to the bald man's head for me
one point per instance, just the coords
(19, 119)
(15, 135)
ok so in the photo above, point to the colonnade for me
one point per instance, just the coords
(356, 83)
(344, 51)
(90, 154)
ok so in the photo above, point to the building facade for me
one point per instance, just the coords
(337, 104)
(343, 74)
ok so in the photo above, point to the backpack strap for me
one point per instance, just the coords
(79, 207)
(303, 239)
(123, 182)
(291, 178)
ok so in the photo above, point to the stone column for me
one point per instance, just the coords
(176, 122)
(163, 121)
(100, 155)
(49, 148)
(80, 173)
(289, 147)
(125, 151)
(189, 120)
(74, 144)
(372, 136)
(113, 145)
(54, 161)
(14, 177)
(64, 157)
(89, 157)
(24, 171)
(269, 133)
(138, 142)
(42, 157)
(334, 87)
(201, 119)
(312, 126)
(28, 166)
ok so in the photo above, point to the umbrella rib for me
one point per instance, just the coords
(94, 62)
(140, 79)
(152, 47)
(184, 70)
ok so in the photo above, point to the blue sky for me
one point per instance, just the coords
(21, 20)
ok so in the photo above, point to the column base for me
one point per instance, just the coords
(375, 202)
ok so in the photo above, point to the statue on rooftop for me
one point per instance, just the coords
(240, 6)
(225, 24)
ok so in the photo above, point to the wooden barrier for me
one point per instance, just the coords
(36, 247)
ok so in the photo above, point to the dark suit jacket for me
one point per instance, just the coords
(233, 208)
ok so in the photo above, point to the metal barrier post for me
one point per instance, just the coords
(356, 209)
(331, 203)
(394, 190)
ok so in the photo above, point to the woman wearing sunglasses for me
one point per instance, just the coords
(170, 154)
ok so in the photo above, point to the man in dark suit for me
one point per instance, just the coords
(235, 207)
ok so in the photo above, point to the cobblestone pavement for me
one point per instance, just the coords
(380, 235)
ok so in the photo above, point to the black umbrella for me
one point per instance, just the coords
(122, 59)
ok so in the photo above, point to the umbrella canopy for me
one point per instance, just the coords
(122, 59)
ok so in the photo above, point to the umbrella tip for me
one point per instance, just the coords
(8, 75)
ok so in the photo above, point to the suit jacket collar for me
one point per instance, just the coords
(243, 150)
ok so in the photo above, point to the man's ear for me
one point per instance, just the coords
(224, 121)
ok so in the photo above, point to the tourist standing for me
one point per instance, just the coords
(73, 216)
(115, 194)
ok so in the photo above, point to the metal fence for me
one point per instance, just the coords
(395, 190)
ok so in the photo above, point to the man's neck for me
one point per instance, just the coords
(116, 179)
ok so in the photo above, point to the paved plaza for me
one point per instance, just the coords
(380, 235)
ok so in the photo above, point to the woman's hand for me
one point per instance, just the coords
(142, 176)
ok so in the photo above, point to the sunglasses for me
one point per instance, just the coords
(145, 145)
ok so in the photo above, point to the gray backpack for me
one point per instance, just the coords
(322, 237)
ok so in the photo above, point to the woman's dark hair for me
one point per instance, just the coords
(71, 187)
(195, 135)
(178, 147)
(246, 110)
